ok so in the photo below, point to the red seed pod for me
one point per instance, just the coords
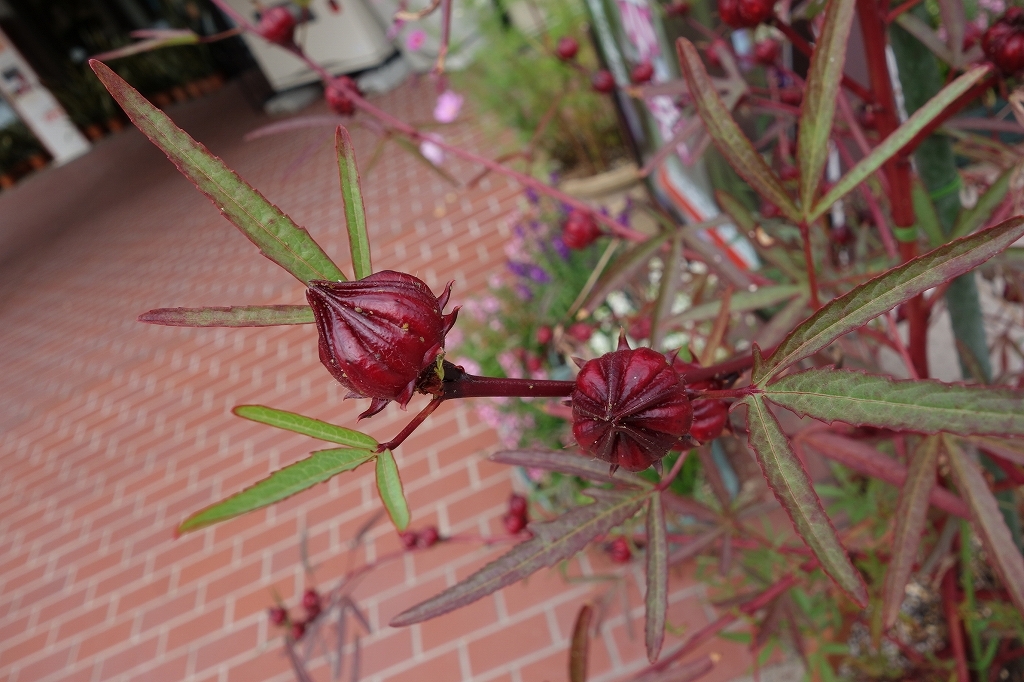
(428, 537)
(603, 81)
(278, 616)
(514, 524)
(378, 334)
(1003, 42)
(544, 335)
(629, 407)
(745, 13)
(311, 602)
(709, 416)
(409, 538)
(338, 94)
(517, 505)
(277, 25)
(580, 230)
(566, 48)
(767, 52)
(619, 551)
(581, 331)
(298, 630)
(642, 73)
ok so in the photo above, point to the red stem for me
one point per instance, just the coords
(411, 426)
(806, 48)
(956, 634)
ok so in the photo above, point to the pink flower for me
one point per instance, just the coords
(414, 39)
(448, 105)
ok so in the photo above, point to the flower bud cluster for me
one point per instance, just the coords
(423, 539)
(517, 516)
(745, 13)
(312, 607)
(1003, 42)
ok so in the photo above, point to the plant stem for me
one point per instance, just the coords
(459, 384)
(411, 426)
(956, 634)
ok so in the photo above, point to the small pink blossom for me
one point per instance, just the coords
(432, 152)
(415, 39)
(448, 105)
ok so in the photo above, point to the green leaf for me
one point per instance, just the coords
(233, 316)
(973, 218)
(927, 218)
(657, 578)
(352, 197)
(726, 134)
(552, 542)
(294, 478)
(876, 296)
(819, 105)
(741, 302)
(579, 651)
(661, 318)
(899, 138)
(924, 406)
(154, 40)
(911, 515)
(389, 485)
(280, 239)
(792, 487)
(1003, 554)
(307, 426)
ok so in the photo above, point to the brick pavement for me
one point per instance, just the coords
(113, 431)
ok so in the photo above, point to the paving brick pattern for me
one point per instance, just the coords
(112, 431)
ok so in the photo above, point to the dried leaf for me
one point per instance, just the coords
(657, 578)
(232, 316)
(552, 542)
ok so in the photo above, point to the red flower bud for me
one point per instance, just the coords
(603, 81)
(767, 52)
(581, 331)
(544, 335)
(580, 230)
(1003, 42)
(517, 505)
(745, 13)
(712, 52)
(566, 48)
(298, 630)
(709, 416)
(277, 25)
(642, 72)
(311, 602)
(677, 9)
(514, 524)
(629, 408)
(338, 97)
(428, 537)
(378, 334)
(278, 616)
(410, 538)
(619, 551)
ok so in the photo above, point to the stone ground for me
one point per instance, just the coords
(112, 431)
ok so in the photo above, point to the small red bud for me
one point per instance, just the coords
(769, 210)
(603, 81)
(277, 25)
(619, 551)
(709, 416)
(278, 616)
(677, 9)
(311, 602)
(1003, 42)
(298, 630)
(514, 524)
(534, 363)
(868, 117)
(428, 537)
(580, 230)
(767, 52)
(517, 505)
(566, 48)
(581, 331)
(378, 334)
(544, 335)
(642, 73)
(745, 13)
(409, 538)
(338, 94)
(629, 407)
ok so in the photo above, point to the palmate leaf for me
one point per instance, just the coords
(726, 134)
(792, 487)
(881, 294)
(389, 485)
(925, 406)
(352, 197)
(988, 520)
(899, 138)
(276, 235)
(819, 106)
(232, 316)
(289, 421)
(911, 515)
(552, 542)
(294, 478)
(657, 578)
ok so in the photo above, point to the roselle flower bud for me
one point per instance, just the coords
(378, 334)
(566, 48)
(338, 95)
(619, 551)
(278, 616)
(428, 537)
(629, 408)
(580, 230)
(409, 538)
(517, 505)
(709, 416)
(311, 602)
(1003, 42)
(277, 25)
(298, 630)
(642, 73)
(767, 51)
(603, 81)
(513, 523)
(745, 13)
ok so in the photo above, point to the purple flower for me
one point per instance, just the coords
(538, 274)
(560, 248)
(448, 105)
(523, 292)
(531, 195)
(520, 269)
(415, 39)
